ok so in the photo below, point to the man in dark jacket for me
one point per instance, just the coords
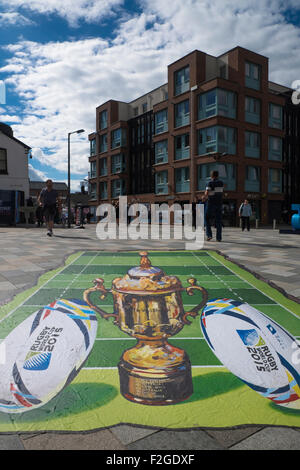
(48, 199)
(214, 196)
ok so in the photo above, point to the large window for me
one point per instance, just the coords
(161, 151)
(118, 163)
(93, 191)
(93, 170)
(118, 138)
(252, 75)
(182, 146)
(182, 113)
(217, 139)
(161, 182)
(3, 161)
(252, 144)
(252, 110)
(227, 173)
(118, 188)
(103, 143)
(103, 190)
(275, 116)
(182, 180)
(103, 120)
(182, 81)
(274, 180)
(103, 166)
(275, 148)
(92, 147)
(252, 182)
(217, 102)
(161, 121)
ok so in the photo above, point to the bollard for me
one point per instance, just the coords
(256, 223)
(274, 224)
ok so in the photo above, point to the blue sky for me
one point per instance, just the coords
(61, 59)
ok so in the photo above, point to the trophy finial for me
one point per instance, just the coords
(145, 262)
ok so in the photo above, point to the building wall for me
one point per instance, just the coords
(17, 165)
(206, 73)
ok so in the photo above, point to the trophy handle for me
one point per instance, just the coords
(99, 287)
(190, 290)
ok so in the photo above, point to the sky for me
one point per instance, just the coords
(60, 59)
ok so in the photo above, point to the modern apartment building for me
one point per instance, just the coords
(213, 113)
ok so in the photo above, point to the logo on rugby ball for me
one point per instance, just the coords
(37, 361)
(251, 338)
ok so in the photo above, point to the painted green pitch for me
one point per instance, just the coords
(97, 388)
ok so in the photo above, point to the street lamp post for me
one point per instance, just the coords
(79, 131)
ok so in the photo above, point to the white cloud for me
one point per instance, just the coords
(90, 11)
(61, 83)
(36, 175)
(8, 19)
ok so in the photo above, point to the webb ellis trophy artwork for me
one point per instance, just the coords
(149, 307)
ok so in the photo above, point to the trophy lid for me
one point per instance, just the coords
(145, 269)
(146, 278)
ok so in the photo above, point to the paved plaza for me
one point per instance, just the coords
(27, 253)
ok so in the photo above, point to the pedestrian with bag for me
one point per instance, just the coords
(214, 196)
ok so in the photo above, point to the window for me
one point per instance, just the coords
(252, 144)
(103, 143)
(217, 139)
(253, 73)
(144, 107)
(227, 172)
(161, 182)
(274, 180)
(92, 147)
(93, 170)
(252, 182)
(93, 191)
(161, 151)
(103, 120)
(182, 180)
(103, 190)
(182, 113)
(135, 111)
(161, 121)
(3, 161)
(118, 138)
(182, 81)
(103, 166)
(252, 110)
(118, 163)
(275, 148)
(182, 146)
(275, 116)
(217, 102)
(118, 188)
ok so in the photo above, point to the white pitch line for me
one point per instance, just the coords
(276, 303)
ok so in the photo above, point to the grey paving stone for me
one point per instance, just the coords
(229, 437)
(100, 440)
(271, 438)
(10, 442)
(129, 434)
(177, 440)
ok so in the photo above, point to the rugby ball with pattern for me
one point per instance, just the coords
(9, 350)
(61, 338)
(238, 335)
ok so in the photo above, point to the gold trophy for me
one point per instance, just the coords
(148, 306)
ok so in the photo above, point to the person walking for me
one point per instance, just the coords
(214, 196)
(48, 199)
(245, 212)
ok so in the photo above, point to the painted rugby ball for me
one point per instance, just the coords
(287, 348)
(237, 336)
(9, 350)
(61, 338)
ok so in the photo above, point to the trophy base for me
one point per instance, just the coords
(145, 383)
